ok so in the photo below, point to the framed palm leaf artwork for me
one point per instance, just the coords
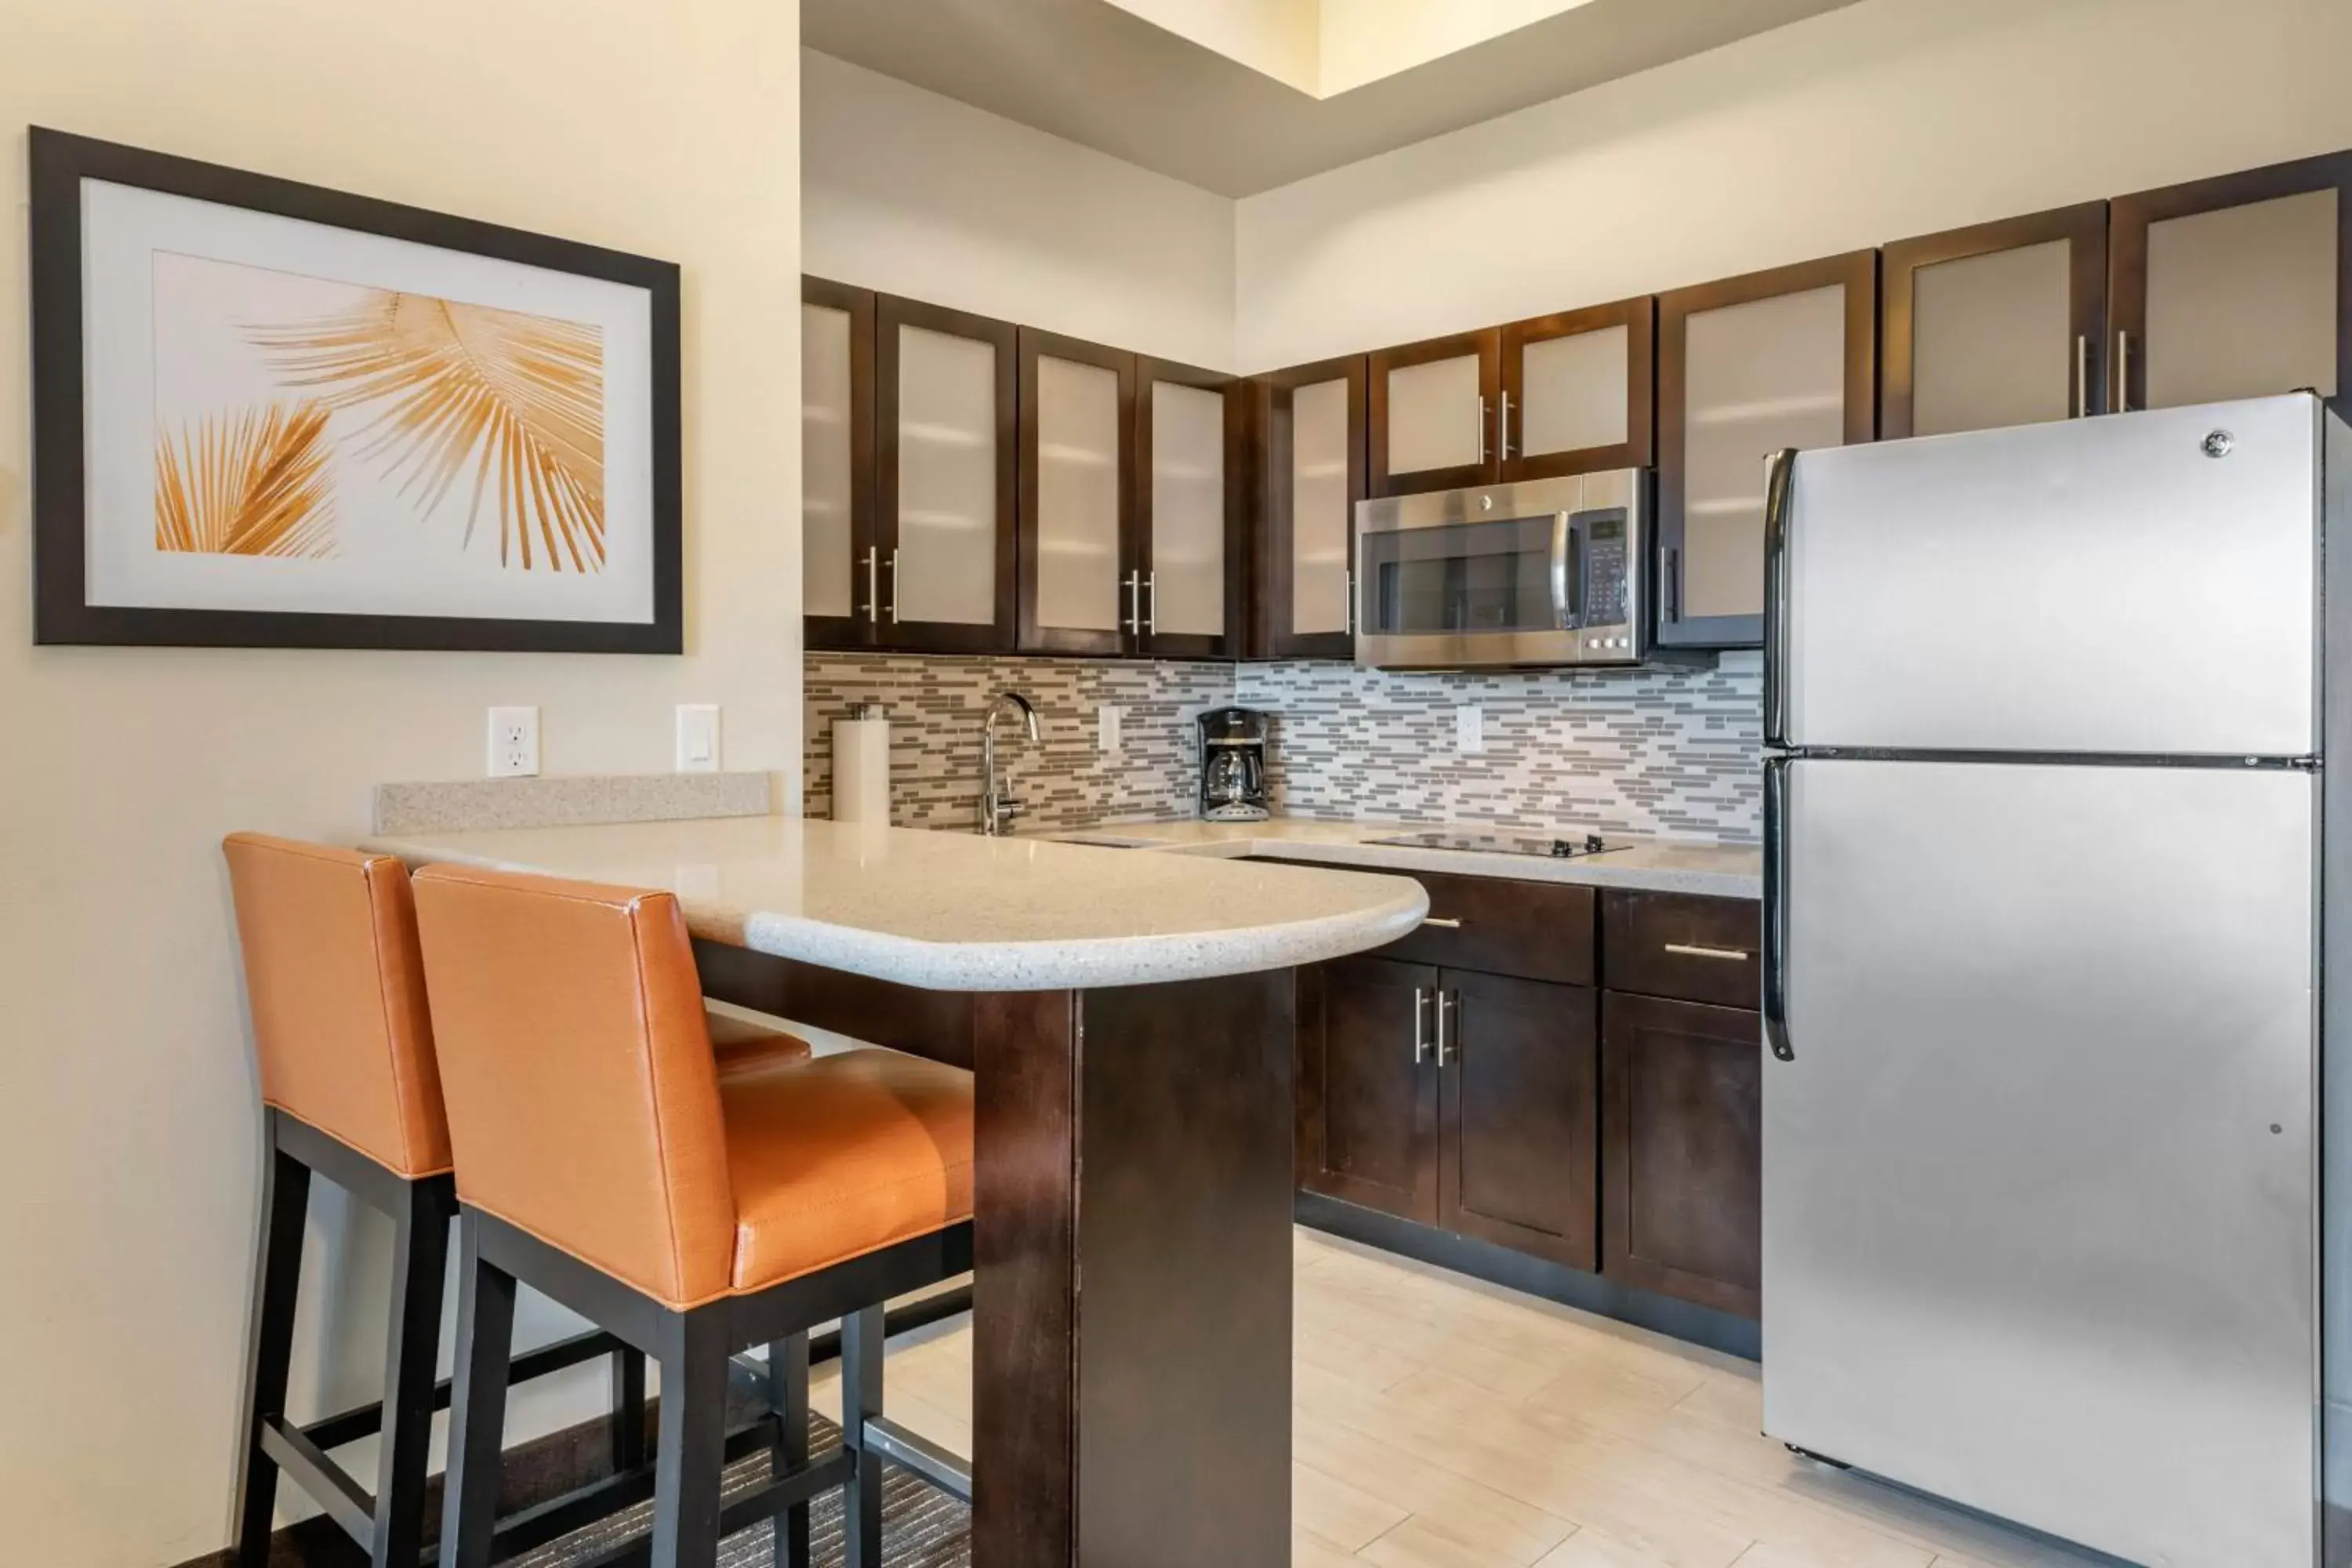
(269, 414)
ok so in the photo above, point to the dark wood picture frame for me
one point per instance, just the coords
(1036, 344)
(59, 164)
(2083, 228)
(2130, 218)
(892, 313)
(1487, 346)
(857, 629)
(1639, 317)
(1154, 643)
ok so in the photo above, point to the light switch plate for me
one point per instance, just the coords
(1107, 725)
(698, 737)
(1469, 730)
(514, 743)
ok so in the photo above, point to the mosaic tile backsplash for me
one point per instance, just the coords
(1668, 751)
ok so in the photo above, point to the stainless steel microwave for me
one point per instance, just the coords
(1548, 572)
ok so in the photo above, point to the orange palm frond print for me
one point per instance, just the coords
(255, 485)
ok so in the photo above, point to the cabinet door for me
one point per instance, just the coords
(1078, 481)
(1682, 1162)
(1578, 392)
(946, 478)
(840, 564)
(1998, 324)
(1191, 467)
(1311, 421)
(2232, 286)
(1367, 1105)
(1432, 407)
(1746, 367)
(1519, 1160)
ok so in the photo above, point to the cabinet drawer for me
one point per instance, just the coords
(1533, 931)
(1677, 944)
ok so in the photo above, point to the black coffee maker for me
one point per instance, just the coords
(1233, 765)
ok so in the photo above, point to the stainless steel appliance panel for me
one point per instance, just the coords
(2138, 583)
(2038, 1224)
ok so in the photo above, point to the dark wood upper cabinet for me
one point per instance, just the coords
(1433, 413)
(1579, 392)
(1188, 549)
(1519, 1099)
(1310, 464)
(840, 560)
(1367, 1088)
(1681, 1149)
(1077, 497)
(2232, 286)
(2003, 324)
(947, 473)
(1746, 367)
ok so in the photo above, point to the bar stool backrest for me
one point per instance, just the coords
(337, 991)
(584, 1100)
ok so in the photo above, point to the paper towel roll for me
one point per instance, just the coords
(861, 767)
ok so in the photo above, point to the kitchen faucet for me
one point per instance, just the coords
(998, 809)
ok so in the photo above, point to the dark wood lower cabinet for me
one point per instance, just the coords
(1367, 1090)
(1518, 1115)
(1680, 1172)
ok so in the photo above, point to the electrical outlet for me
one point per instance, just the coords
(1469, 730)
(1106, 728)
(514, 743)
(698, 737)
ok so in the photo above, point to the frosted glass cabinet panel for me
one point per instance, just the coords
(1431, 409)
(1189, 509)
(1577, 393)
(1997, 324)
(1746, 368)
(838, 559)
(1077, 404)
(2232, 286)
(947, 478)
(1314, 418)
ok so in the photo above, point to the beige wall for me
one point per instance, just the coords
(1887, 119)
(914, 194)
(129, 1182)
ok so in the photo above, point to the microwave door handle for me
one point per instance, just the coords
(1567, 571)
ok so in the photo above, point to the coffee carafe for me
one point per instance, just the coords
(1233, 765)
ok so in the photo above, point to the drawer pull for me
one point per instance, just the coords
(1441, 921)
(1686, 950)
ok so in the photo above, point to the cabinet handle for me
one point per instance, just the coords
(2121, 401)
(2081, 375)
(1446, 1002)
(893, 607)
(1482, 426)
(1686, 950)
(1420, 1025)
(1134, 622)
(873, 582)
(1441, 921)
(1502, 428)
(1348, 580)
(1152, 601)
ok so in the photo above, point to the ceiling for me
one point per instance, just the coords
(1097, 74)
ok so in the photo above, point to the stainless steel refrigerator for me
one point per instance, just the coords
(2053, 869)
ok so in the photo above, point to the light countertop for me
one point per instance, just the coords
(954, 911)
(1659, 865)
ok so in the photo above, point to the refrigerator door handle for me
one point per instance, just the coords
(1776, 903)
(1779, 470)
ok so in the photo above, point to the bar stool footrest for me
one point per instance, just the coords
(950, 1472)
(752, 1508)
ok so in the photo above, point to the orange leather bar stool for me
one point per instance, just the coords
(603, 1159)
(351, 1091)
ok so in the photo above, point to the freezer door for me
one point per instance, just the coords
(2094, 585)
(2038, 1169)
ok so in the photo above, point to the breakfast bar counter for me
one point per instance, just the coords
(1129, 1022)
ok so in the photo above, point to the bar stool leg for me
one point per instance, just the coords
(628, 1409)
(690, 1451)
(270, 1349)
(421, 1272)
(477, 1405)
(861, 1396)
(788, 1450)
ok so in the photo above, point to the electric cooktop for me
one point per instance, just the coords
(1504, 844)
